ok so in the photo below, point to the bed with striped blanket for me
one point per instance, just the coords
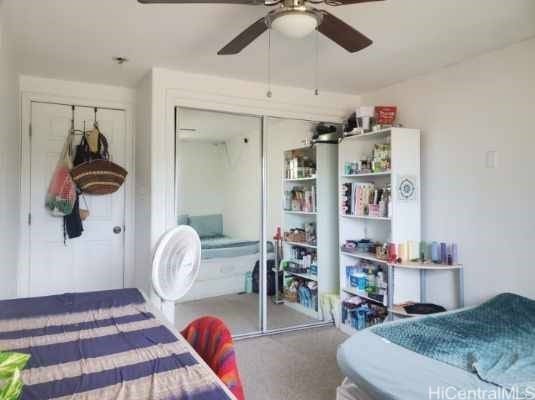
(100, 346)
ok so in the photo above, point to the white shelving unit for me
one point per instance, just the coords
(325, 218)
(423, 269)
(404, 222)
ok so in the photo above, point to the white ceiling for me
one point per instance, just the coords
(76, 39)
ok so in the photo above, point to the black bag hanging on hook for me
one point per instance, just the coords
(83, 153)
(72, 223)
(86, 151)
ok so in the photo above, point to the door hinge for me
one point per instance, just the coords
(29, 218)
(30, 130)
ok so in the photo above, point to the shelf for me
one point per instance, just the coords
(405, 146)
(364, 256)
(309, 277)
(370, 174)
(301, 244)
(378, 134)
(405, 265)
(321, 209)
(355, 292)
(426, 265)
(298, 262)
(301, 212)
(302, 309)
(311, 178)
(292, 261)
(367, 217)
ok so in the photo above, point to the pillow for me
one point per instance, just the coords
(207, 226)
(11, 365)
(183, 219)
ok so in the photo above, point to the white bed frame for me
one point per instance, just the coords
(222, 276)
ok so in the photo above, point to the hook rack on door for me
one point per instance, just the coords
(75, 132)
(80, 132)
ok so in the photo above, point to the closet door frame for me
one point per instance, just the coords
(263, 329)
(50, 96)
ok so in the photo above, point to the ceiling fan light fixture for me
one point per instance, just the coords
(295, 24)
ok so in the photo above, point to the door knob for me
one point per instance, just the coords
(117, 230)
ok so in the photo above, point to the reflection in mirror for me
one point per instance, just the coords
(218, 187)
(302, 214)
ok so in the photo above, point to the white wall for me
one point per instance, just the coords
(218, 169)
(222, 178)
(480, 105)
(9, 167)
(143, 156)
(202, 167)
(242, 186)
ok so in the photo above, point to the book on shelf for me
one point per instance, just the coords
(364, 199)
(301, 199)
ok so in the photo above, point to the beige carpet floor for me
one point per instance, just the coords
(295, 366)
(240, 313)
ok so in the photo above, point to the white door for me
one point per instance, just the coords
(94, 261)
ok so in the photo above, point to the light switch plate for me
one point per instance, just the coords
(491, 159)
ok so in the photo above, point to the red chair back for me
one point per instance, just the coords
(211, 338)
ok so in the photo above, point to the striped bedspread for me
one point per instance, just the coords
(100, 346)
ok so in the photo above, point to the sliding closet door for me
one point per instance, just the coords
(291, 209)
(218, 192)
(302, 214)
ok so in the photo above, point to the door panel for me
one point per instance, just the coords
(104, 269)
(95, 261)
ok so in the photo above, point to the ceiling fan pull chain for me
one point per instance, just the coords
(95, 123)
(269, 93)
(316, 67)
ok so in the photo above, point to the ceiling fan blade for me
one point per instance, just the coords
(342, 34)
(249, 2)
(245, 38)
(346, 2)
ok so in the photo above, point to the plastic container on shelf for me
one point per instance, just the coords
(371, 281)
(362, 281)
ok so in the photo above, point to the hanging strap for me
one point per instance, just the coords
(103, 147)
(84, 200)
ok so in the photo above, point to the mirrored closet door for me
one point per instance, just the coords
(218, 193)
(302, 215)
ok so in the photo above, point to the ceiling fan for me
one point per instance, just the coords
(293, 18)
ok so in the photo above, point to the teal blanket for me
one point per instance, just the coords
(495, 340)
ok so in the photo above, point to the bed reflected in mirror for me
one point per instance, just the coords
(218, 183)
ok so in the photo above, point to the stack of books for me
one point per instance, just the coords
(365, 199)
(301, 199)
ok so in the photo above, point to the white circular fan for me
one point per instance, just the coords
(175, 267)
